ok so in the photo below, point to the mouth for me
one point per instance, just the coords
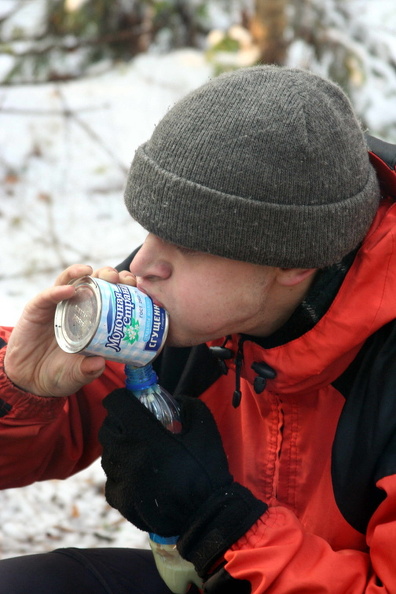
(156, 302)
(153, 299)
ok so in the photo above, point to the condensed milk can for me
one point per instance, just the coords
(116, 321)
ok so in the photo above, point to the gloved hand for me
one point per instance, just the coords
(174, 484)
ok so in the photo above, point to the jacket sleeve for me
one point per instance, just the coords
(44, 438)
(276, 556)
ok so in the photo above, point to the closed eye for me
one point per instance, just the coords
(184, 250)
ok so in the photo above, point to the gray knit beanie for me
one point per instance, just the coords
(265, 165)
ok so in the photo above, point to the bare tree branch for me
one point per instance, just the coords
(68, 47)
(66, 112)
(91, 133)
(12, 12)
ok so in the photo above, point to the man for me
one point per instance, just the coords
(272, 252)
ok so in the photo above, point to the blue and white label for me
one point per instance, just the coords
(158, 329)
(131, 329)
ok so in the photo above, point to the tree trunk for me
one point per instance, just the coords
(268, 28)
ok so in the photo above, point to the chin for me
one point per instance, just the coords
(182, 341)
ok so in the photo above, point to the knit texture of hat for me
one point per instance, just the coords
(265, 165)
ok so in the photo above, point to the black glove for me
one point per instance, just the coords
(174, 484)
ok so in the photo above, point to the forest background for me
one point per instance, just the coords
(82, 84)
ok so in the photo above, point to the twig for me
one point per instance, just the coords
(91, 133)
(12, 12)
(48, 112)
(68, 47)
(54, 78)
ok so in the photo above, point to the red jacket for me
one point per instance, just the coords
(318, 444)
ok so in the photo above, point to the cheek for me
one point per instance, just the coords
(199, 306)
(199, 323)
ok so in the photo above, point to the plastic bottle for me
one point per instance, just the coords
(176, 572)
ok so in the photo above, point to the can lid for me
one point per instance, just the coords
(76, 319)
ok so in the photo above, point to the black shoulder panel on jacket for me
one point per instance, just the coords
(124, 265)
(364, 448)
(222, 583)
(2, 343)
(5, 408)
(384, 150)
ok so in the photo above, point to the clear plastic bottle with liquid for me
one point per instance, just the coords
(176, 572)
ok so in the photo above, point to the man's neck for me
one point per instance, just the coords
(313, 305)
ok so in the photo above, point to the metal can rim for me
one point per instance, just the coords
(61, 311)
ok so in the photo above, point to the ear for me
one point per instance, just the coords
(291, 277)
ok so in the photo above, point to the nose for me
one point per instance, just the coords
(150, 262)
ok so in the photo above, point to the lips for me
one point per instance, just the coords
(154, 300)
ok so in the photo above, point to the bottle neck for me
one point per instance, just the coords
(169, 540)
(138, 378)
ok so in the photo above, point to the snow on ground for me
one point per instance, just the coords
(64, 154)
(65, 151)
(54, 514)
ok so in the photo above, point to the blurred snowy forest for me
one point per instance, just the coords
(82, 84)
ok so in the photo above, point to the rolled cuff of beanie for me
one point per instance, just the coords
(220, 522)
(266, 233)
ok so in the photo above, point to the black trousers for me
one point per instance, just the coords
(83, 571)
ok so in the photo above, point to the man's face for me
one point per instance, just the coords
(206, 296)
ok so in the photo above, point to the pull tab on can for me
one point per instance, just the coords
(116, 321)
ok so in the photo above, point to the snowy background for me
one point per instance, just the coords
(64, 153)
(61, 202)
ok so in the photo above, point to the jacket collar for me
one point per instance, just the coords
(318, 300)
(328, 329)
